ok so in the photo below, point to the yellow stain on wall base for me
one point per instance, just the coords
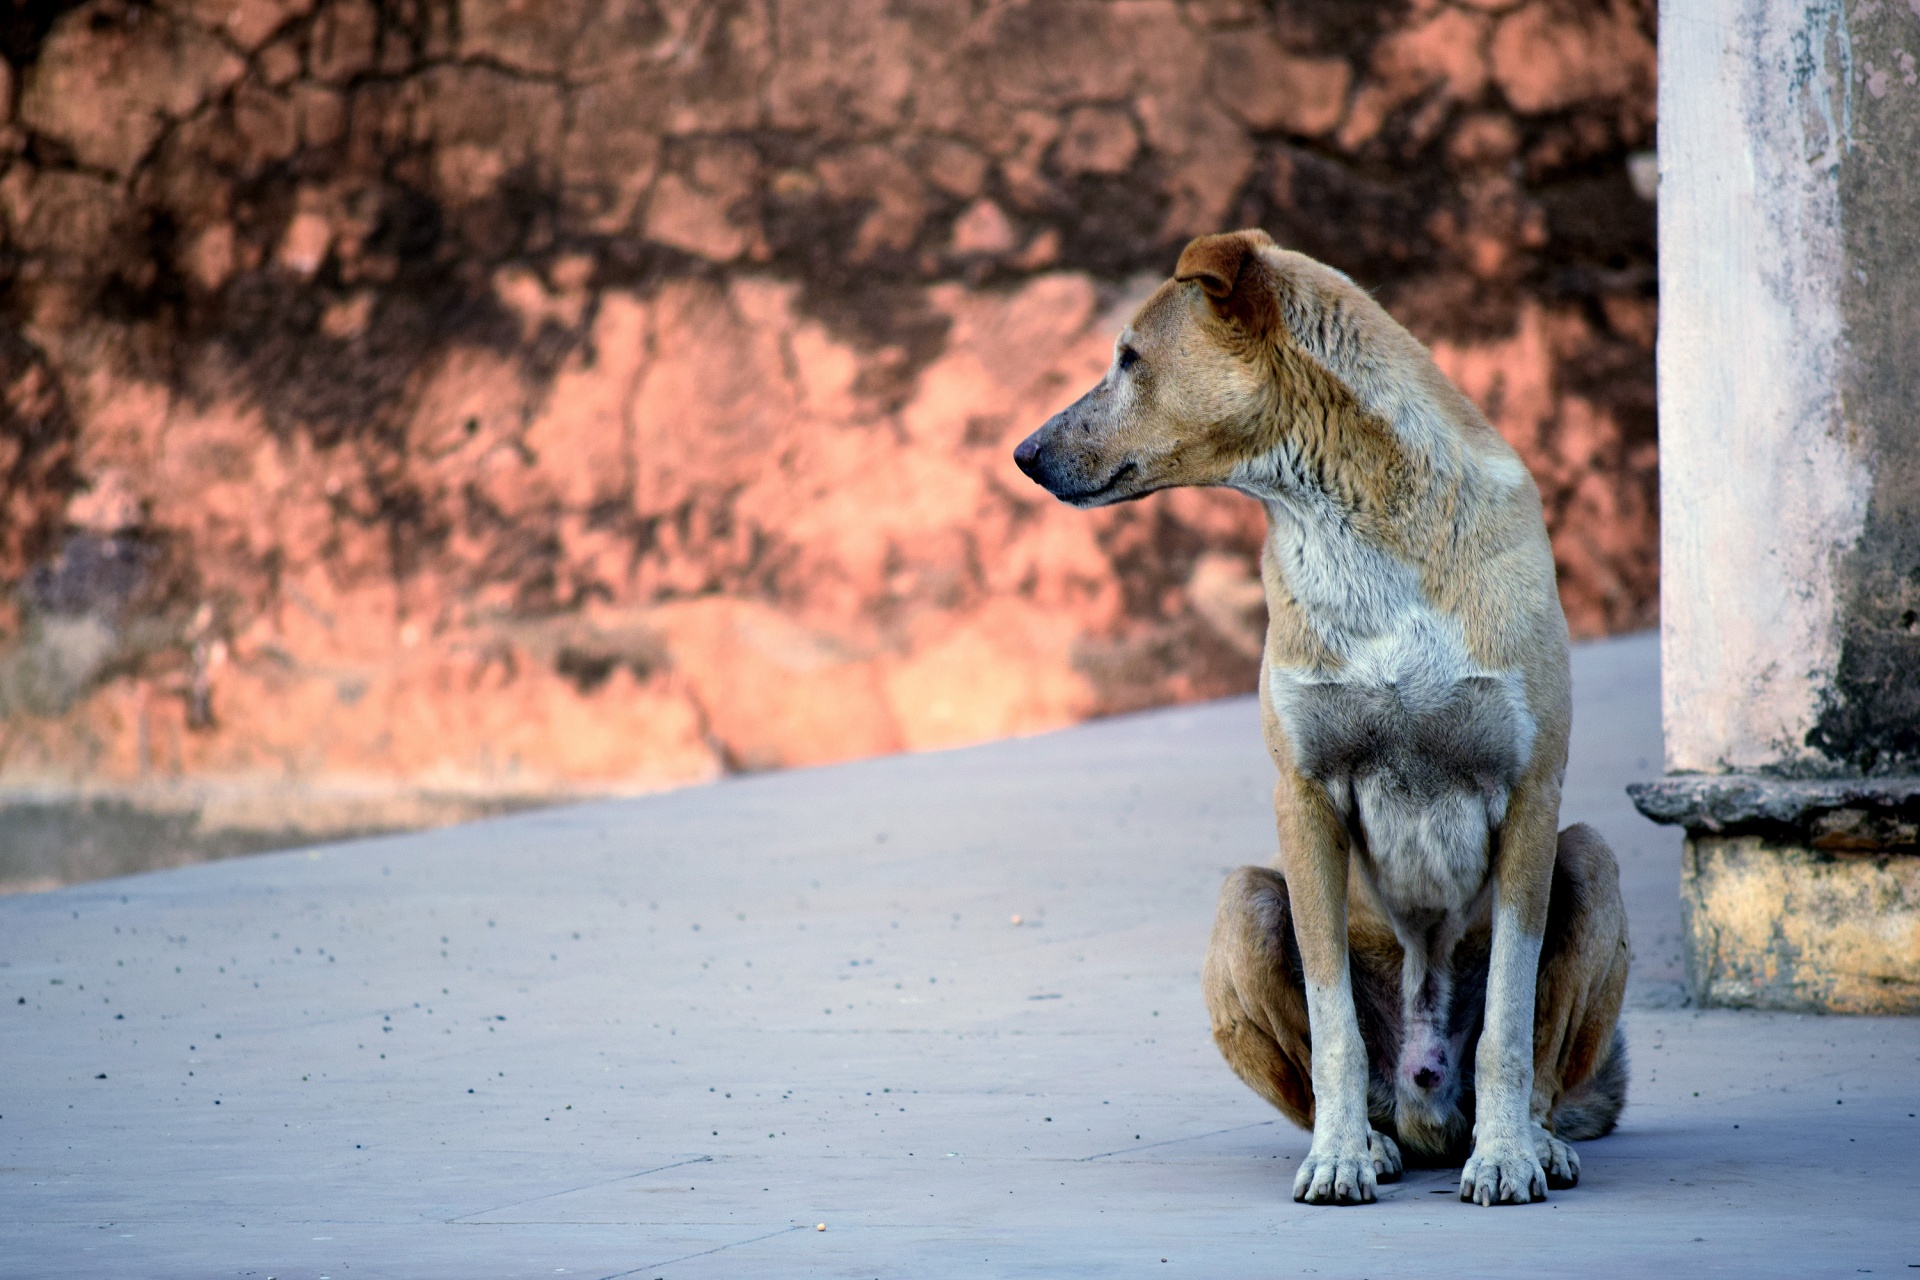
(1773, 926)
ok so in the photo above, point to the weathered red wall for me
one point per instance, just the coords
(515, 397)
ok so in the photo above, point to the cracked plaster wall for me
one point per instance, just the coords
(499, 399)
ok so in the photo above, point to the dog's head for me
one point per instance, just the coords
(1199, 384)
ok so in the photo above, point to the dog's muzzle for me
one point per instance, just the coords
(1053, 459)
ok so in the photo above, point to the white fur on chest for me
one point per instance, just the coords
(1417, 745)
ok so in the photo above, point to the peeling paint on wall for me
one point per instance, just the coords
(1869, 719)
(512, 400)
(1757, 453)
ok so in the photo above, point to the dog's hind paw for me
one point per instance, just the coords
(1503, 1171)
(1558, 1158)
(1386, 1156)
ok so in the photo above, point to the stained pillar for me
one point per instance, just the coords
(1789, 367)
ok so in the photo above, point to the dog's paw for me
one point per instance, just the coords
(1386, 1156)
(1562, 1165)
(1343, 1172)
(1503, 1171)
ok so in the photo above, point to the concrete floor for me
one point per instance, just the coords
(669, 1037)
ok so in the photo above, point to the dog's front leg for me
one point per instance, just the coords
(1505, 1165)
(1347, 1158)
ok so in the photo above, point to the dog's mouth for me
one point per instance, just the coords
(1093, 497)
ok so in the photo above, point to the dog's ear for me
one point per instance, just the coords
(1237, 284)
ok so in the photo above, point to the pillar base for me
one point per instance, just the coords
(1780, 926)
(1798, 895)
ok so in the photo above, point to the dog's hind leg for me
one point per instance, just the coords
(1257, 1000)
(1255, 995)
(1580, 1054)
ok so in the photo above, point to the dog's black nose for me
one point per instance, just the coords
(1026, 455)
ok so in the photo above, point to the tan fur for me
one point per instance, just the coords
(1252, 984)
(1410, 592)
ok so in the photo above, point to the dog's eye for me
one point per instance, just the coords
(1128, 358)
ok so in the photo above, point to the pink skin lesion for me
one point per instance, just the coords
(1426, 1051)
(1425, 1059)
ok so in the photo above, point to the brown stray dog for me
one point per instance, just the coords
(1433, 958)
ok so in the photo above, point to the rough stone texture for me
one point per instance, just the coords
(1723, 803)
(1871, 719)
(1798, 894)
(1782, 926)
(497, 399)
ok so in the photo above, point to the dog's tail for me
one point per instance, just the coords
(1593, 1107)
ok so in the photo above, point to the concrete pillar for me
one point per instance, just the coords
(1789, 368)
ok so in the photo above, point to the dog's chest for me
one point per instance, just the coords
(1417, 746)
(1409, 708)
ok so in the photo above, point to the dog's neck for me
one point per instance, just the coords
(1382, 451)
(1326, 454)
(1359, 503)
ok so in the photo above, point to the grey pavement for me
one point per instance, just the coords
(673, 1036)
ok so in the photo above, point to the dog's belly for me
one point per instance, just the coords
(1419, 770)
